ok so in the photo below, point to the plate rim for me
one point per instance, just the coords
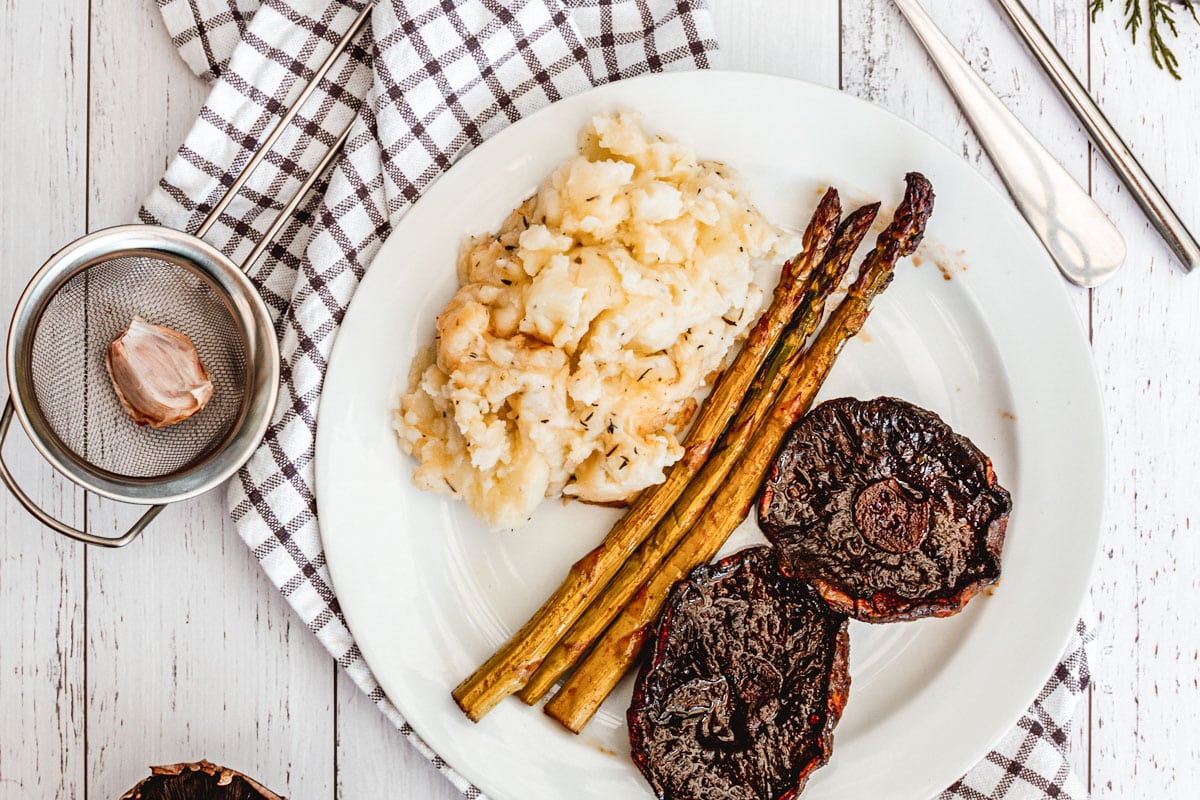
(1090, 389)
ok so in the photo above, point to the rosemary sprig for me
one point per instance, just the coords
(1160, 18)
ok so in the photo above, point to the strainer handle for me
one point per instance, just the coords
(44, 517)
(269, 142)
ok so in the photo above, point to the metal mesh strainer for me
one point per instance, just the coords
(88, 292)
(71, 385)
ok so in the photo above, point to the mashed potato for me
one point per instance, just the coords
(568, 361)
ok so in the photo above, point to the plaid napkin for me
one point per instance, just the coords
(433, 79)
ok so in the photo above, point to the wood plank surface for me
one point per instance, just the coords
(192, 652)
(797, 40)
(374, 760)
(43, 163)
(1145, 331)
(179, 647)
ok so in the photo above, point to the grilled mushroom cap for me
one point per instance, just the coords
(885, 509)
(746, 678)
(202, 780)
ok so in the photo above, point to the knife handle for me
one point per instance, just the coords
(1082, 241)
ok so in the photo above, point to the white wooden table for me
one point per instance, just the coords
(178, 647)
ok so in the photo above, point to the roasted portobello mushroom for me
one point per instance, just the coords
(746, 679)
(202, 780)
(887, 511)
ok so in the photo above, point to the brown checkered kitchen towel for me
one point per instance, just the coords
(433, 79)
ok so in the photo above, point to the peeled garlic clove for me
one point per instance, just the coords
(157, 374)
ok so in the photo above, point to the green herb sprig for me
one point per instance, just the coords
(1159, 17)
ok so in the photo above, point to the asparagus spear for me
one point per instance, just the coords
(619, 648)
(510, 667)
(767, 384)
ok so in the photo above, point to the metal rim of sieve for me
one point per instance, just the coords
(261, 385)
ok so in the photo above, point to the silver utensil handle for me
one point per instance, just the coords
(285, 214)
(1083, 242)
(1104, 135)
(265, 147)
(44, 517)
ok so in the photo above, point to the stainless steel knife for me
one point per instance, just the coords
(1079, 237)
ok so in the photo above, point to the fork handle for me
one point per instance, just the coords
(1155, 206)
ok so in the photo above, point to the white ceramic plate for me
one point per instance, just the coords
(988, 340)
